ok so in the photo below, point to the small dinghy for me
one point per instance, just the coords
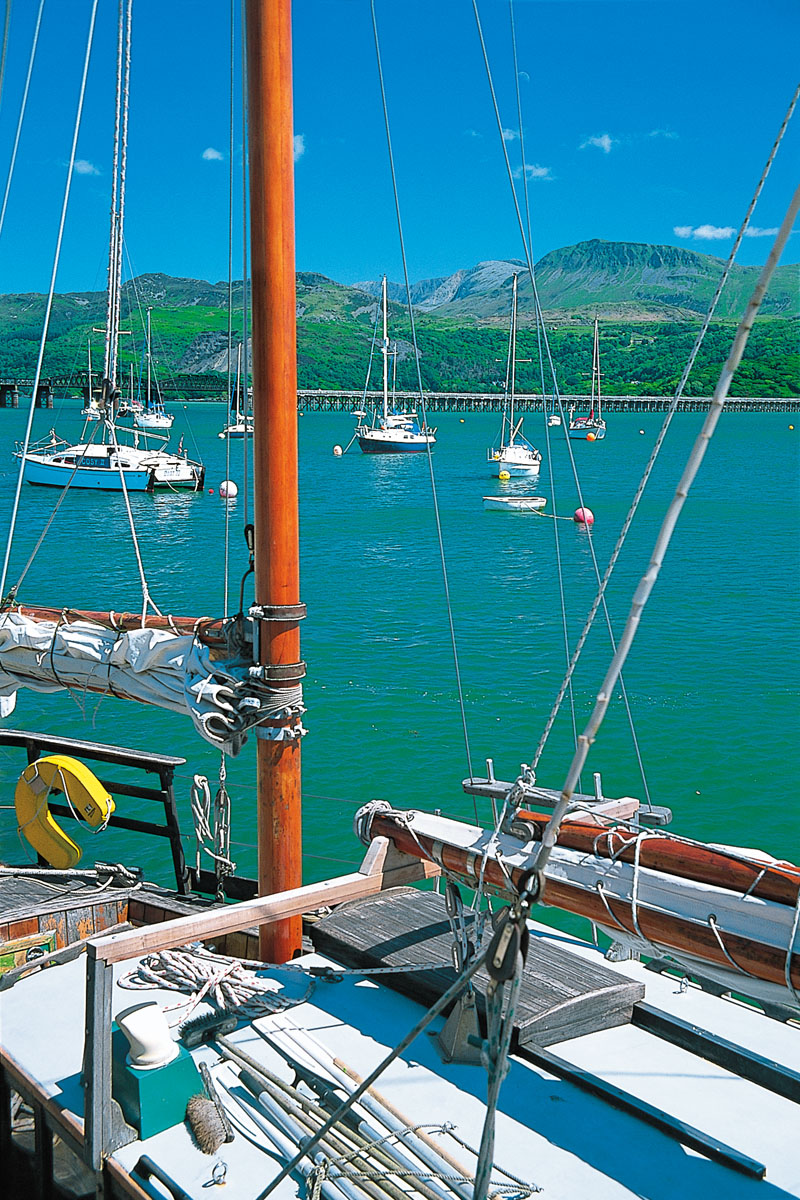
(515, 503)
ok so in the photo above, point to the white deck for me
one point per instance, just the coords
(549, 1133)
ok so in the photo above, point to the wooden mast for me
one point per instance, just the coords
(277, 574)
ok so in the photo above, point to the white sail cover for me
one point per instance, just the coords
(155, 666)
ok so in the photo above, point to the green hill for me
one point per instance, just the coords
(649, 299)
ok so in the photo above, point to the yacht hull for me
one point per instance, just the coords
(41, 473)
(404, 445)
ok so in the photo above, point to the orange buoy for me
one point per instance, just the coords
(590, 437)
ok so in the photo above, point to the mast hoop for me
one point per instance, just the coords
(278, 612)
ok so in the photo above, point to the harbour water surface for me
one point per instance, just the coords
(712, 679)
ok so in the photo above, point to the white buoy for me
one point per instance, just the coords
(338, 451)
(228, 489)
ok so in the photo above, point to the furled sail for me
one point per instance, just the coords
(201, 668)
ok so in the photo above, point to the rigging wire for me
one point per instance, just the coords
(49, 302)
(3, 54)
(648, 580)
(540, 318)
(228, 393)
(673, 406)
(539, 331)
(24, 103)
(114, 216)
(437, 515)
(245, 312)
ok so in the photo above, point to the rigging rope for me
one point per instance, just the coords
(49, 303)
(667, 422)
(540, 330)
(648, 580)
(24, 103)
(540, 320)
(412, 323)
(245, 313)
(228, 392)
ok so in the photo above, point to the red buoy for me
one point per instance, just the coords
(583, 516)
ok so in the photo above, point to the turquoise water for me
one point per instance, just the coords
(712, 678)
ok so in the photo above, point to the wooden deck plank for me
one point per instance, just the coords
(561, 996)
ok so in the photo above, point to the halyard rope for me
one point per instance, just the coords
(647, 583)
(437, 518)
(23, 104)
(49, 303)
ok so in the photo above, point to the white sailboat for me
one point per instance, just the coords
(152, 415)
(515, 455)
(392, 432)
(591, 428)
(242, 424)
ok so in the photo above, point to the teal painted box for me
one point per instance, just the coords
(152, 1100)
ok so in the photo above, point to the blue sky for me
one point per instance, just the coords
(644, 121)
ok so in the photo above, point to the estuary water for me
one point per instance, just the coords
(712, 680)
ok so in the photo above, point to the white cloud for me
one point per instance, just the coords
(664, 133)
(705, 233)
(212, 155)
(299, 145)
(510, 135)
(603, 141)
(755, 231)
(84, 167)
(534, 171)
(713, 233)
(472, 133)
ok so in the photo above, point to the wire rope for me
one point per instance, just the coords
(667, 422)
(24, 102)
(539, 330)
(648, 580)
(245, 307)
(49, 302)
(4, 53)
(437, 516)
(228, 393)
(540, 319)
(113, 218)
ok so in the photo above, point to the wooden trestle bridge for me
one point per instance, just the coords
(14, 392)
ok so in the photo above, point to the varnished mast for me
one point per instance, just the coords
(277, 574)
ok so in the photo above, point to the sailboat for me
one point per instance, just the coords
(592, 427)
(391, 432)
(152, 414)
(515, 455)
(91, 409)
(242, 424)
(655, 1087)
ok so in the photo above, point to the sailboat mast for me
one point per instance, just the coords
(513, 364)
(148, 358)
(275, 506)
(385, 351)
(595, 371)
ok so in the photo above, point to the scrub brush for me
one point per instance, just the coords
(206, 1027)
(207, 1117)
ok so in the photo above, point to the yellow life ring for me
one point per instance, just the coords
(85, 794)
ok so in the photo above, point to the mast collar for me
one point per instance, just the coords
(277, 612)
(278, 672)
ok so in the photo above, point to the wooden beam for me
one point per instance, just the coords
(260, 911)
